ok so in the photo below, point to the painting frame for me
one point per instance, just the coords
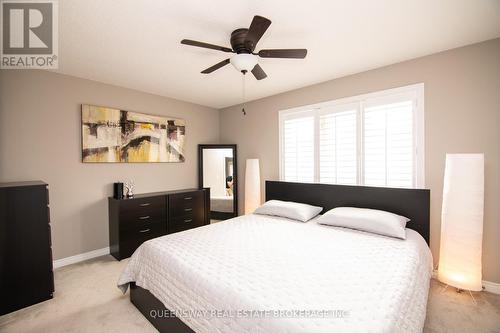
(112, 135)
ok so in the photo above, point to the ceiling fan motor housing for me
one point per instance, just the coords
(238, 41)
(244, 61)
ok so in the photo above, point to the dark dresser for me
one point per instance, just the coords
(26, 275)
(135, 220)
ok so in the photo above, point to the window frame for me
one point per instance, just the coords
(415, 92)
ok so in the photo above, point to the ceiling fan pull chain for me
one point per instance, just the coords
(243, 94)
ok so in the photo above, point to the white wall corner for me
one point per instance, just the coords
(80, 257)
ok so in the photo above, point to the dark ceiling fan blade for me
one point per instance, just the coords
(205, 45)
(283, 53)
(257, 28)
(258, 72)
(216, 66)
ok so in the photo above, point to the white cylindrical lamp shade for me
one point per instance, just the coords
(252, 185)
(462, 222)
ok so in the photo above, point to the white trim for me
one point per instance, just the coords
(414, 91)
(492, 287)
(360, 144)
(420, 135)
(316, 148)
(280, 142)
(80, 257)
(356, 99)
(488, 286)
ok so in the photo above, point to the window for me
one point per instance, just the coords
(298, 149)
(373, 140)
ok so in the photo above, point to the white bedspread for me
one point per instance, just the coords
(268, 263)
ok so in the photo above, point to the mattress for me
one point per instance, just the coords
(221, 204)
(270, 274)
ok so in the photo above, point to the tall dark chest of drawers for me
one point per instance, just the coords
(136, 220)
(26, 274)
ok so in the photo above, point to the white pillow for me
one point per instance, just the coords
(371, 220)
(289, 209)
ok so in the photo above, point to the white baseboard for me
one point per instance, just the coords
(491, 287)
(80, 257)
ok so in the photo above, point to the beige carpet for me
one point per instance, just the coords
(87, 300)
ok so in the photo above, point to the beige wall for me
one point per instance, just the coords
(40, 135)
(462, 114)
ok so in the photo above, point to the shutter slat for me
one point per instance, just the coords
(337, 148)
(388, 143)
(298, 145)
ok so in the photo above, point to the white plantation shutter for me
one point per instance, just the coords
(338, 148)
(388, 145)
(298, 149)
(367, 140)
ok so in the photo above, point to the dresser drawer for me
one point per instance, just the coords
(185, 223)
(185, 204)
(139, 224)
(133, 240)
(136, 210)
(143, 231)
(144, 205)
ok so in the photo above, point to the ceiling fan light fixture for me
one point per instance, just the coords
(244, 61)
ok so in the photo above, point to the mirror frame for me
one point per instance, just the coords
(201, 147)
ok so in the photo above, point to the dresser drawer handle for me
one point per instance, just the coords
(188, 198)
(188, 209)
(189, 220)
(145, 204)
(145, 230)
(144, 217)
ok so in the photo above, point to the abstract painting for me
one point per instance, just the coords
(118, 136)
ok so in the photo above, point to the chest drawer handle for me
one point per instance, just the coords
(145, 204)
(145, 230)
(188, 209)
(144, 217)
(189, 220)
(188, 198)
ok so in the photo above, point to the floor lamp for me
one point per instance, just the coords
(252, 185)
(462, 222)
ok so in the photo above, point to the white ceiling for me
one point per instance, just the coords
(135, 44)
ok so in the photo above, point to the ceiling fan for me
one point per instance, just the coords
(243, 42)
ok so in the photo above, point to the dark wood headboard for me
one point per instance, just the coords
(412, 203)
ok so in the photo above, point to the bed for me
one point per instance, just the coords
(259, 273)
(222, 204)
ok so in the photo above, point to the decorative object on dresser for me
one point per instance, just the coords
(217, 165)
(252, 185)
(26, 275)
(129, 189)
(113, 135)
(462, 222)
(133, 221)
(118, 190)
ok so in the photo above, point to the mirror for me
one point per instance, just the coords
(217, 171)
